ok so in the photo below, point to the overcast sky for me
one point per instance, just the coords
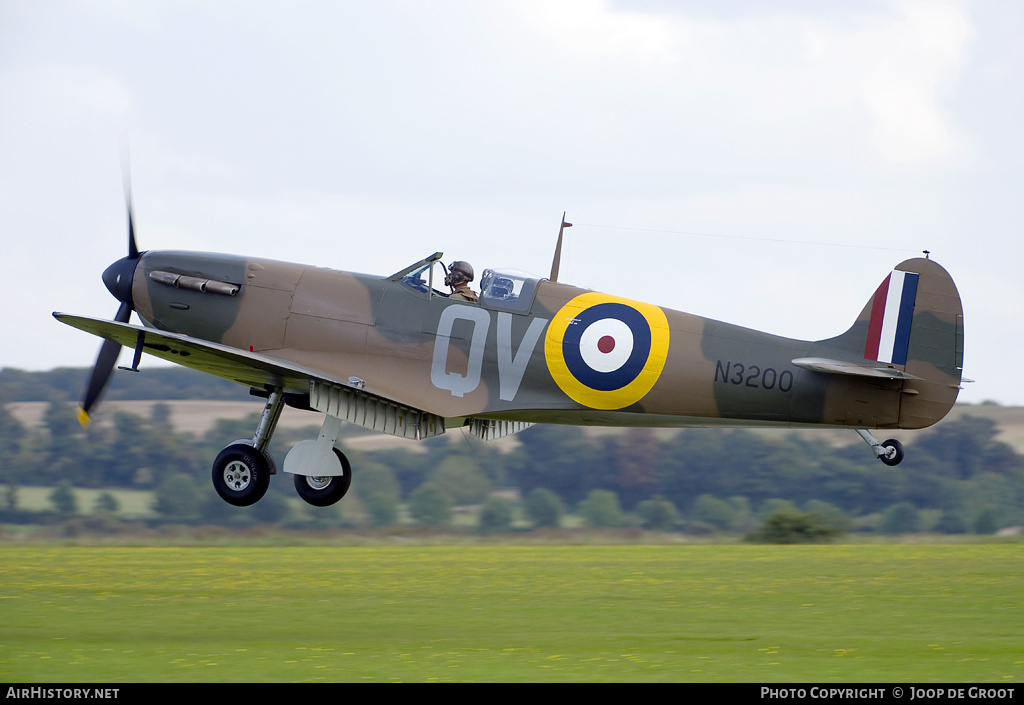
(763, 163)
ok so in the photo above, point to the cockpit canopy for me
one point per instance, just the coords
(508, 290)
(502, 289)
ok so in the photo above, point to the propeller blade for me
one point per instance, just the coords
(133, 249)
(103, 368)
(118, 280)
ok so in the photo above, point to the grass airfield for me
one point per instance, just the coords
(500, 613)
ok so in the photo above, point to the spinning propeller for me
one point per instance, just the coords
(118, 280)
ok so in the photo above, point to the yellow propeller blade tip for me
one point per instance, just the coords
(83, 418)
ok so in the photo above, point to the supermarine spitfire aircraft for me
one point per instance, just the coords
(395, 354)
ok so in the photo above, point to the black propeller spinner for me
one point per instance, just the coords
(118, 280)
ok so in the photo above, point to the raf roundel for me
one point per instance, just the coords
(605, 352)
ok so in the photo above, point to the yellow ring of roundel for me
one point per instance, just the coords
(615, 398)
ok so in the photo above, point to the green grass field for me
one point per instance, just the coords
(846, 613)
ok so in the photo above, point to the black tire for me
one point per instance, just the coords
(325, 491)
(894, 454)
(241, 475)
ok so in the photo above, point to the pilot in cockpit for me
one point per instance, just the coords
(460, 274)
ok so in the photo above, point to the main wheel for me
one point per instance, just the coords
(894, 452)
(325, 491)
(241, 474)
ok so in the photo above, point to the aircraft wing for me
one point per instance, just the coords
(252, 369)
(344, 398)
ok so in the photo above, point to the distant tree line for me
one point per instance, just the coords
(956, 478)
(154, 383)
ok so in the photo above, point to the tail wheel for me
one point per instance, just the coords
(326, 490)
(241, 475)
(893, 452)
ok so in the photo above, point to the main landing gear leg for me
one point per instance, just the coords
(322, 472)
(241, 473)
(890, 452)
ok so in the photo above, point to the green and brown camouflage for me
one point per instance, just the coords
(397, 355)
(505, 358)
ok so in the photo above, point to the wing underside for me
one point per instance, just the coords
(251, 369)
(345, 399)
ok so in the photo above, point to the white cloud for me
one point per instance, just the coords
(880, 79)
(592, 28)
(911, 63)
(58, 91)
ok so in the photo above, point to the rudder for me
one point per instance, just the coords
(935, 350)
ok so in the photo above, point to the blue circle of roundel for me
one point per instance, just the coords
(630, 369)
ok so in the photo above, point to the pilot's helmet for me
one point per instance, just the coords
(458, 273)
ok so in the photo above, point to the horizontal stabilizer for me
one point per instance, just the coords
(842, 367)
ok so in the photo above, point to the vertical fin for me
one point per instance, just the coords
(914, 324)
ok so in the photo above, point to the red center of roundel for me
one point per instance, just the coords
(606, 344)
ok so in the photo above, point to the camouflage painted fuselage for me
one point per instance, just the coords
(554, 353)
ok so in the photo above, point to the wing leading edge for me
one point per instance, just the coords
(342, 398)
(251, 369)
(345, 399)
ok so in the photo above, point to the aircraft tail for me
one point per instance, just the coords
(911, 331)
